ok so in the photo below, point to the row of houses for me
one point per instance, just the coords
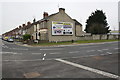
(55, 27)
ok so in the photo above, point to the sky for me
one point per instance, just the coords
(17, 12)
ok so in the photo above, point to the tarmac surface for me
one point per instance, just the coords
(99, 60)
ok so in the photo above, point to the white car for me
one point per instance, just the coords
(10, 40)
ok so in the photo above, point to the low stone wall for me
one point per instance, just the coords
(98, 37)
(84, 38)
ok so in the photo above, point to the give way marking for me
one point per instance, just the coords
(90, 69)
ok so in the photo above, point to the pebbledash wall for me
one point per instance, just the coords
(60, 17)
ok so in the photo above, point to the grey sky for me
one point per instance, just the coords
(119, 11)
(15, 13)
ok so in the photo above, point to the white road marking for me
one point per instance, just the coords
(74, 52)
(43, 58)
(18, 48)
(6, 52)
(89, 69)
(36, 53)
(87, 46)
(50, 49)
(102, 54)
(104, 49)
(99, 50)
(116, 48)
(92, 55)
(44, 55)
(10, 53)
(109, 53)
(55, 53)
(4, 46)
(90, 50)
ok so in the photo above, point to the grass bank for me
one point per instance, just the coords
(69, 42)
(94, 41)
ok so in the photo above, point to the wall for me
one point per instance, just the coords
(78, 30)
(98, 37)
(62, 17)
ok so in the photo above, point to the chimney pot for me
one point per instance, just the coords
(62, 10)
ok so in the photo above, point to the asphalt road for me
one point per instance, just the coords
(72, 61)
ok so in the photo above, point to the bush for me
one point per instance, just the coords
(26, 37)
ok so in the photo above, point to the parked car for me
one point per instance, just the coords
(10, 40)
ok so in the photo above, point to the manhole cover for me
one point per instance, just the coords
(31, 75)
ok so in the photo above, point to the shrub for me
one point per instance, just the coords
(26, 37)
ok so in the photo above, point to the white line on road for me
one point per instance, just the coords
(116, 48)
(4, 46)
(99, 50)
(10, 53)
(90, 50)
(36, 53)
(18, 48)
(44, 55)
(6, 52)
(89, 69)
(50, 49)
(104, 49)
(102, 54)
(43, 58)
(109, 53)
(55, 53)
(74, 52)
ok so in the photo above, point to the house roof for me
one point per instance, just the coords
(46, 18)
(77, 23)
(51, 15)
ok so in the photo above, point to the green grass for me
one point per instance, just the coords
(51, 43)
(69, 42)
(94, 41)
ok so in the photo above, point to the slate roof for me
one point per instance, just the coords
(77, 23)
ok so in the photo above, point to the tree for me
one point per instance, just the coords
(26, 37)
(97, 23)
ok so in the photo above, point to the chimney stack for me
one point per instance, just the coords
(20, 27)
(28, 23)
(61, 10)
(45, 15)
(34, 20)
(23, 25)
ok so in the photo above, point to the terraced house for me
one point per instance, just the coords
(55, 27)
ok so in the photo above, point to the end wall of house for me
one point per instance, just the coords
(61, 17)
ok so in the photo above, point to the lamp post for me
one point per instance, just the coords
(36, 28)
(36, 32)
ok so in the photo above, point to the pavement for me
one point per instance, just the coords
(73, 61)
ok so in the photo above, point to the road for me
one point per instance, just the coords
(91, 60)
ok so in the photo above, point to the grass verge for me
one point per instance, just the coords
(69, 42)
